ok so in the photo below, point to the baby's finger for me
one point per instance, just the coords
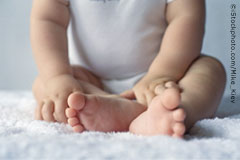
(141, 99)
(38, 112)
(172, 84)
(59, 113)
(129, 94)
(159, 89)
(149, 96)
(47, 111)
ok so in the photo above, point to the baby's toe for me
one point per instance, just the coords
(179, 129)
(179, 115)
(78, 128)
(76, 100)
(171, 98)
(73, 121)
(70, 113)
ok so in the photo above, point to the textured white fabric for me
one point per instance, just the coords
(116, 39)
(21, 137)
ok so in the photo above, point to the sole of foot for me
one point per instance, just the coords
(163, 116)
(104, 113)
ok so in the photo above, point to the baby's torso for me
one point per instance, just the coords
(116, 38)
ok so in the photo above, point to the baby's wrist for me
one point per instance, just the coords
(56, 76)
(53, 69)
(164, 77)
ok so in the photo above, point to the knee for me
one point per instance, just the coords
(215, 66)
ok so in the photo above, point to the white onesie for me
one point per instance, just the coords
(116, 39)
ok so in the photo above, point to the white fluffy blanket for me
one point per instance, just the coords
(22, 137)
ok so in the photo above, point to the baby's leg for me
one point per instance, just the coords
(203, 87)
(201, 91)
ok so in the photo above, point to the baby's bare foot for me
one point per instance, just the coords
(163, 116)
(104, 113)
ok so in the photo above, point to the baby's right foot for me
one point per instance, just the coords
(163, 116)
(105, 113)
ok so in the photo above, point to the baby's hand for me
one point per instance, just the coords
(148, 87)
(57, 89)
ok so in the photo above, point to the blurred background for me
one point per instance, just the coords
(17, 68)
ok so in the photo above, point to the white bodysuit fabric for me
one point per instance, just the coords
(116, 39)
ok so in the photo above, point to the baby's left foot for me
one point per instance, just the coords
(105, 113)
(163, 116)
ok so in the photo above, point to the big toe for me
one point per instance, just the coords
(76, 101)
(171, 98)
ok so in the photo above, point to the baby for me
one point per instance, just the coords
(124, 65)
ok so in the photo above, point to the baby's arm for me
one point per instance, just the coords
(182, 41)
(181, 44)
(49, 21)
